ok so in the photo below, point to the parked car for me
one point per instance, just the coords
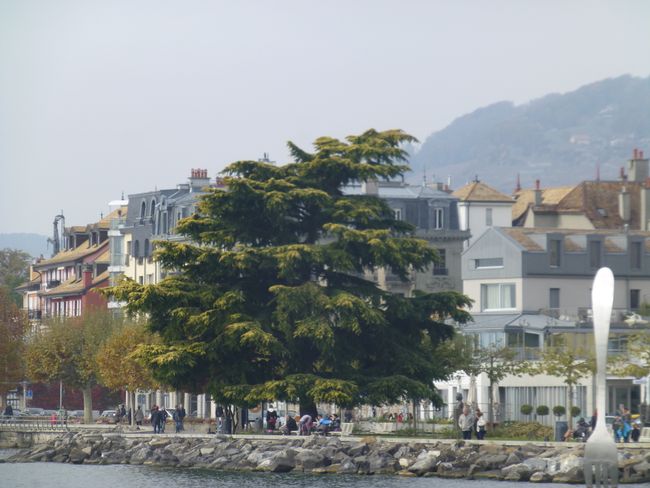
(107, 417)
(34, 412)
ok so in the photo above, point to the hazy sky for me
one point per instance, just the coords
(100, 97)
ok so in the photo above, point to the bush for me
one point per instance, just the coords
(575, 411)
(521, 431)
(542, 410)
(526, 409)
(559, 410)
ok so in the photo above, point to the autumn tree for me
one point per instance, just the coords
(117, 365)
(268, 300)
(13, 325)
(65, 349)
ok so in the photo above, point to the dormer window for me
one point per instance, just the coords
(595, 252)
(152, 208)
(438, 218)
(554, 252)
(143, 210)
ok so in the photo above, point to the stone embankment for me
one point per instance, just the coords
(320, 455)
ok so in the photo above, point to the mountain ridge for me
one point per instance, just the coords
(598, 124)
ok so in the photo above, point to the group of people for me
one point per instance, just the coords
(472, 423)
(304, 425)
(624, 427)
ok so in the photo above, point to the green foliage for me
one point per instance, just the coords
(542, 410)
(559, 410)
(268, 299)
(14, 270)
(522, 431)
(575, 411)
(526, 409)
(13, 326)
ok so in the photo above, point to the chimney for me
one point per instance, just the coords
(637, 167)
(370, 187)
(644, 218)
(538, 194)
(199, 179)
(621, 174)
(87, 275)
(518, 187)
(624, 205)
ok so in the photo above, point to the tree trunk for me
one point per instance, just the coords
(570, 402)
(490, 406)
(415, 422)
(133, 407)
(308, 407)
(88, 404)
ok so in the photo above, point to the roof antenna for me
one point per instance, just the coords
(424, 176)
(122, 194)
(518, 187)
(597, 171)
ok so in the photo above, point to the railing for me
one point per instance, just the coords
(31, 424)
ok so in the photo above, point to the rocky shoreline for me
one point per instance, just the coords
(322, 455)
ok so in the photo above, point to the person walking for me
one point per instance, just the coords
(466, 423)
(480, 425)
(139, 416)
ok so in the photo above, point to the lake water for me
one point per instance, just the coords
(56, 475)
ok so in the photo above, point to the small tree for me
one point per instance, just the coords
(575, 411)
(13, 325)
(495, 361)
(65, 350)
(118, 366)
(542, 410)
(569, 363)
(559, 410)
(526, 409)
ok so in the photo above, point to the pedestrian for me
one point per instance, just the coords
(271, 418)
(162, 419)
(9, 411)
(466, 423)
(305, 424)
(480, 425)
(154, 419)
(178, 418)
(289, 426)
(139, 416)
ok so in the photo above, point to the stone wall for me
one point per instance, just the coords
(316, 454)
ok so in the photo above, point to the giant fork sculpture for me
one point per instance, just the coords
(601, 459)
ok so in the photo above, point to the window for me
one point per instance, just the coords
(594, 253)
(635, 255)
(554, 249)
(554, 298)
(488, 217)
(488, 263)
(397, 213)
(146, 247)
(136, 249)
(152, 208)
(635, 299)
(498, 296)
(440, 267)
(143, 210)
(438, 218)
